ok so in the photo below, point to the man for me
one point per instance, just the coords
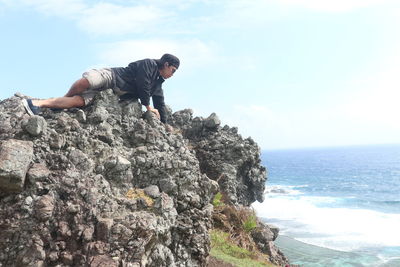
(140, 79)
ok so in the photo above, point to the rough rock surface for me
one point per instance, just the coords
(225, 157)
(106, 186)
(264, 235)
(15, 158)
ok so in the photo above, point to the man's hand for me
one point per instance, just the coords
(155, 111)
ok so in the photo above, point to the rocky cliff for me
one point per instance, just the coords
(108, 186)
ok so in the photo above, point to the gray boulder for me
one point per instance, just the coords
(36, 125)
(15, 158)
(212, 122)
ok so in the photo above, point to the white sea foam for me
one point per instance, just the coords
(304, 218)
(283, 190)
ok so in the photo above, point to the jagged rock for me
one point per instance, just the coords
(99, 114)
(44, 207)
(38, 172)
(103, 261)
(152, 191)
(36, 125)
(225, 157)
(33, 253)
(81, 161)
(151, 118)
(162, 256)
(81, 116)
(212, 122)
(275, 230)
(15, 157)
(76, 209)
(67, 258)
(275, 255)
(168, 186)
(87, 234)
(5, 125)
(262, 235)
(103, 228)
(56, 140)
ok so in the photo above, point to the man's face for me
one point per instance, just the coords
(167, 71)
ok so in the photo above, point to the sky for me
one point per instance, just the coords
(288, 73)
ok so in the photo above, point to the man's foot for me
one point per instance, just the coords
(30, 108)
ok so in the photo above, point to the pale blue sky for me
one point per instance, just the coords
(289, 73)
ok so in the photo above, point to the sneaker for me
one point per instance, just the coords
(30, 108)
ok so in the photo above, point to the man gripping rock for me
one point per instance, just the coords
(141, 79)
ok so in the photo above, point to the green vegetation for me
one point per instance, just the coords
(217, 201)
(224, 249)
(220, 240)
(250, 223)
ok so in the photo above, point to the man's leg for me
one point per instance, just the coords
(77, 96)
(78, 87)
(70, 100)
(60, 102)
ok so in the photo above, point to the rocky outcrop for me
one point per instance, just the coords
(225, 157)
(264, 235)
(109, 186)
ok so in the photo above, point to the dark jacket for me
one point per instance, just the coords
(141, 79)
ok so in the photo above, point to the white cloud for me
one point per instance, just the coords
(71, 9)
(6, 2)
(258, 6)
(118, 17)
(333, 6)
(175, 4)
(256, 13)
(104, 18)
(110, 19)
(192, 52)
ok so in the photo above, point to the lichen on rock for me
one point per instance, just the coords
(136, 193)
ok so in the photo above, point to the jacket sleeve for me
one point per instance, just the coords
(144, 81)
(158, 101)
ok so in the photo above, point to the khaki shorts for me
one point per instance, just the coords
(99, 80)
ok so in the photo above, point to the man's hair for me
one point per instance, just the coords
(170, 59)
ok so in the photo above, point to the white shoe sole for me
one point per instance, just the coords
(27, 108)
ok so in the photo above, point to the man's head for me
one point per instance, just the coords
(167, 65)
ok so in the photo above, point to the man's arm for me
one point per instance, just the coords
(144, 82)
(158, 101)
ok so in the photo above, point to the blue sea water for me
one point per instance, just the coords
(335, 206)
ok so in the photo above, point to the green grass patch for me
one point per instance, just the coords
(217, 201)
(250, 223)
(224, 249)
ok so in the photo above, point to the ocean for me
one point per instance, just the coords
(335, 206)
